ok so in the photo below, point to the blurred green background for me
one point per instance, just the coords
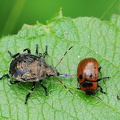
(15, 13)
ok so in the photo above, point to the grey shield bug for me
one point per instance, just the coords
(27, 67)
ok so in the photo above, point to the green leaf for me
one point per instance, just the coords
(90, 37)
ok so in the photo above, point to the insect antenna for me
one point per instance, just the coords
(63, 75)
(63, 56)
(63, 84)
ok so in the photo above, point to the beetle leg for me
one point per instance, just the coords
(79, 88)
(5, 75)
(101, 79)
(41, 83)
(13, 56)
(99, 68)
(101, 90)
(33, 86)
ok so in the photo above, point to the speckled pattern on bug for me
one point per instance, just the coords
(27, 67)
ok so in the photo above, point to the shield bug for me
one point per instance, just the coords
(27, 67)
(88, 72)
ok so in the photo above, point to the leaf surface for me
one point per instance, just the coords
(90, 37)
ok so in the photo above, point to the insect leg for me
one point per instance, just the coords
(118, 97)
(79, 88)
(63, 84)
(33, 86)
(41, 83)
(101, 79)
(14, 82)
(13, 56)
(99, 68)
(28, 50)
(5, 75)
(101, 90)
(46, 51)
(36, 48)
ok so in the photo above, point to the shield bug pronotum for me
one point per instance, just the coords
(27, 67)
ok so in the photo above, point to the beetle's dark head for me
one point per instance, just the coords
(90, 92)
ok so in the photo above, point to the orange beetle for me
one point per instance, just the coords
(88, 71)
